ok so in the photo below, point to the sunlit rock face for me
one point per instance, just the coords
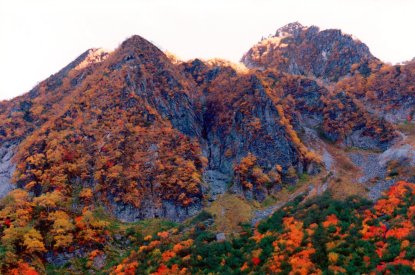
(6, 167)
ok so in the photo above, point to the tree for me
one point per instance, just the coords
(62, 229)
(33, 241)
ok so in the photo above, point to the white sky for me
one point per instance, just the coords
(37, 38)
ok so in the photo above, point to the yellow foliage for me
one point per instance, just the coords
(49, 200)
(86, 194)
(33, 241)
(63, 241)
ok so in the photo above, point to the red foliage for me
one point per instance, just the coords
(256, 261)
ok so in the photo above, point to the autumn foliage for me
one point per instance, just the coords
(313, 237)
(134, 131)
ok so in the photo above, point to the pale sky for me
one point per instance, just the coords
(39, 37)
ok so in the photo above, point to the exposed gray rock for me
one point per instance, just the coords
(376, 191)
(259, 215)
(265, 213)
(269, 143)
(293, 28)
(7, 167)
(217, 181)
(221, 237)
(370, 166)
(400, 114)
(99, 261)
(168, 210)
(315, 144)
(328, 160)
(60, 259)
(357, 139)
(374, 167)
(403, 153)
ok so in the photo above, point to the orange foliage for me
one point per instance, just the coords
(330, 220)
(302, 264)
(294, 235)
(174, 270)
(167, 255)
(23, 269)
(403, 231)
(394, 196)
(125, 269)
(369, 232)
(291, 240)
(182, 245)
(251, 175)
(163, 235)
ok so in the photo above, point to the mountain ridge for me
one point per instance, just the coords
(134, 135)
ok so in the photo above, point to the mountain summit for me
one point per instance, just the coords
(295, 49)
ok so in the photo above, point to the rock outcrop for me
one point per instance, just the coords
(300, 50)
(391, 85)
(7, 167)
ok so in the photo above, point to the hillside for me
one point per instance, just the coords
(119, 145)
(322, 235)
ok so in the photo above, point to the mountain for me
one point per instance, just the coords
(21, 116)
(121, 144)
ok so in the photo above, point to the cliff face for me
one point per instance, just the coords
(7, 168)
(391, 85)
(240, 117)
(149, 137)
(337, 115)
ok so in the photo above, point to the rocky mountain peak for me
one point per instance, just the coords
(300, 50)
(138, 43)
(290, 29)
(91, 56)
(136, 50)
